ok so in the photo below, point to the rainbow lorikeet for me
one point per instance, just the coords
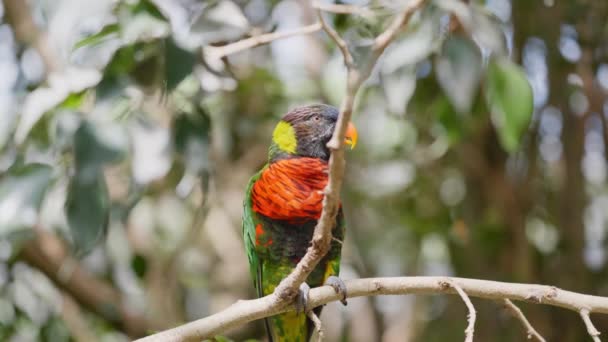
(282, 205)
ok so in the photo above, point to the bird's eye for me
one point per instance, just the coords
(316, 118)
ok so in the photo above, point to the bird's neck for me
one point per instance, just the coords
(275, 153)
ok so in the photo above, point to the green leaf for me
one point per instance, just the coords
(45, 99)
(87, 210)
(509, 97)
(148, 7)
(449, 119)
(487, 30)
(143, 27)
(191, 139)
(104, 34)
(458, 71)
(96, 144)
(179, 63)
(220, 20)
(74, 100)
(21, 194)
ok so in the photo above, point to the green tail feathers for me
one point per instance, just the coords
(288, 327)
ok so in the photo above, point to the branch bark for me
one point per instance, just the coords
(48, 254)
(245, 44)
(249, 310)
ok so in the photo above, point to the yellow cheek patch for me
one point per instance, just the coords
(285, 137)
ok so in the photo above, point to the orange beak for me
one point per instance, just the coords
(351, 136)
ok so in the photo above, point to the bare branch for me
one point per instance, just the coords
(19, 16)
(342, 9)
(47, 253)
(318, 326)
(517, 313)
(75, 321)
(348, 58)
(472, 316)
(593, 332)
(249, 310)
(384, 39)
(223, 51)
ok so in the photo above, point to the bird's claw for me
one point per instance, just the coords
(338, 286)
(302, 299)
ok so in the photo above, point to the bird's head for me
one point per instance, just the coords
(305, 132)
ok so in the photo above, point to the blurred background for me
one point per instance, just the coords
(127, 139)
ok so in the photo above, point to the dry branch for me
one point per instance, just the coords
(318, 326)
(472, 316)
(593, 332)
(245, 44)
(517, 313)
(48, 254)
(249, 310)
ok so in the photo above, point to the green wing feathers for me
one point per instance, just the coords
(249, 223)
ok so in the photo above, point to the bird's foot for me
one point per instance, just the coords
(338, 286)
(302, 299)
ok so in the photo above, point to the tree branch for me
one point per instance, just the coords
(245, 44)
(348, 58)
(249, 310)
(48, 254)
(517, 313)
(593, 332)
(472, 316)
(318, 326)
(386, 37)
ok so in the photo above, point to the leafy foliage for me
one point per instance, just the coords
(509, 96)
(21, 193)
(114, 153)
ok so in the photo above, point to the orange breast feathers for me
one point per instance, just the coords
(291, 189)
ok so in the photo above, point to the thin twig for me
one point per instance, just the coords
(517, 313)
(318, 326)
(384, 39)
(225, 50)
(342, 9)
(348, 58)
(593, 332)
(472, 316)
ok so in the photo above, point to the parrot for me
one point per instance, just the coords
(282, 205)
